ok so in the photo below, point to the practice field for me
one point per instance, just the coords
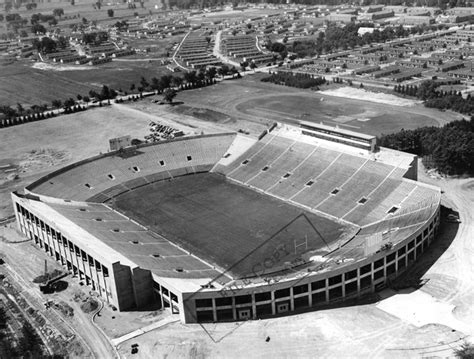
(241, 231)
(250, 99)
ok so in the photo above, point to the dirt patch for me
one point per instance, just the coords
(378, 97)
(40, 159)
(204, 114)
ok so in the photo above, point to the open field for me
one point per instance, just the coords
(22, 83)
(227, 224)
(250, 99)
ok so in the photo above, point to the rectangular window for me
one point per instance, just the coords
(300, 289)
(320, 284)
(241, 299)
(260, 297)
(365, 269)
(281, 293)
(223, 301)
(351, 288)
(378, 263)
(351, 275)
(335, 280)
(203, 303)
(402, 251)
(378, 274)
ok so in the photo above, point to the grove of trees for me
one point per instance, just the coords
(433, 97)
(450, 148)
(295, 80)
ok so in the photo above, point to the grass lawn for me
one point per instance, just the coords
(20, 82)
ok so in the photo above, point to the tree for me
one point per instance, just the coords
(177, 81)
(30, 344)
(38, 29)
(190, 77)
(465, 351)
(69, 102)
(244, 65)
(110, 13)
(58, 12)
(211, 73)
(169, 94)
(62, 42)
(56, 103)
(20, 109)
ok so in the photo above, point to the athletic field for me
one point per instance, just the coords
(231, 226)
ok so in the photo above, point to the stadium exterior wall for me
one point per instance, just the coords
(313, 290)
(126, 286)
(119, 283)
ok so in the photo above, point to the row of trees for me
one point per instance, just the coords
(190, 80)
(295, 80)
(433, 97)
(451, 147)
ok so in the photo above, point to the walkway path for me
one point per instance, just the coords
(148, 328)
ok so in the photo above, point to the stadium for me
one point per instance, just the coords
(223, 227)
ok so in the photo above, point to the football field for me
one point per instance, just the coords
(234, 227)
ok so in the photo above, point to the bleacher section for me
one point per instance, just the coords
(102, 178)
(347, 186)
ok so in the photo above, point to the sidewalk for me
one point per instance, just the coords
(146, 329)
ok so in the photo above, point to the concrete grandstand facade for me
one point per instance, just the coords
(388, 218)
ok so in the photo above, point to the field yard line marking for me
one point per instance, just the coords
(342, 185)
(371, 192)
(271, 163)
(250, 158)
(297, 193)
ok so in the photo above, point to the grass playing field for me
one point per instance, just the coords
(240, 230)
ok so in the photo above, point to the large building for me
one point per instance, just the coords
(221, 227)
